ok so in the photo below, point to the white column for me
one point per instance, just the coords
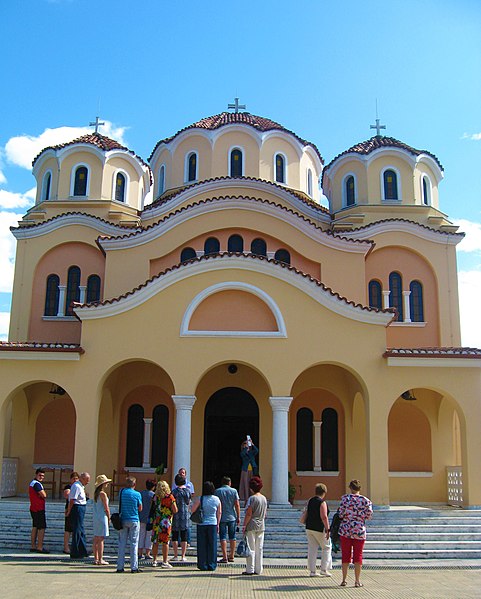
(317, 446)
(199, 253)
(407, 306)
(280, 449)
(183, 426)
(385, 299)
(147, 438)
(82, 294)
(61, 300)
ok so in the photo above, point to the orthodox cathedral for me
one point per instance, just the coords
(163, 309)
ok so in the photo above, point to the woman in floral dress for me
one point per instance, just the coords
(163, 507)
(354, 510)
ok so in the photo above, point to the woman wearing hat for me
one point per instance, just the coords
(101, 518)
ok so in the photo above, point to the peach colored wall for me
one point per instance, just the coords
(221, 154)
(379, 264)
(270, 148)
(95, 173)
(317, 400)
(194, 143)
(55, 433)
(233, 310)
(409, 436)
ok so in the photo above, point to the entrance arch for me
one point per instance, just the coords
(230, 414)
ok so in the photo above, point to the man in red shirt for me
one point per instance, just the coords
(37, 496)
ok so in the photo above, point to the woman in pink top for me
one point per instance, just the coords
(354, 510)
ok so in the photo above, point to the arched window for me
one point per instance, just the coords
(93, 289)
(280, 165)
(235, 244)
(375, 294)
(211, 246)
(350, 191)
(396, 295)
(329, 440)
(416, 302)
(426, 191)
(309, 182)
(47, 183)
(390, 185)
(160, 436)
(187, 254)
(73, 291)
(236, 167)
(259, 247)
(283, 256)
(51, 295)
(120, 187)
(135, 436)
(162, 179)
(304, 440)
(80, 181)
(192, 167)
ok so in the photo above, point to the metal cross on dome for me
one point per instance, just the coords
(96, 124)
(236, 106)
(378, 128)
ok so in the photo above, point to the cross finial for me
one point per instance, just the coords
(236, 106)
(378, 127)
(96, 124)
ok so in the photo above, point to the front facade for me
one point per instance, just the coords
(164, 309)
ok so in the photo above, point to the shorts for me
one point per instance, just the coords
(38, 520)
(68, 524)
(144, 537)
(182, 533)
(351, 545)
(227, 529)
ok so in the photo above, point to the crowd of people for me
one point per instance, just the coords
(162, 516)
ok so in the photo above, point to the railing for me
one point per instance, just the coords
(454, 475)
(9, 477)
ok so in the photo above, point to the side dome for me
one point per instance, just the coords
(236, 145)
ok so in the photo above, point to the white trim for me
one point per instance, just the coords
(186, 166)
(42, 192)
(72, 179)
(408, 324)
(127, 186)
(36, 356)
(343, 189)
(398, 181)
(412, 228)
(242, 151)
(159, 190)
(228, 263)
(440, 362)
(309, 183)
(278, 153)
(410, 474)
(238, 286)
(429, 190)
(58, 318)
(318, 473)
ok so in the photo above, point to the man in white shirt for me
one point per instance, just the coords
(77, 507)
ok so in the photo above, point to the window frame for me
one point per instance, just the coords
(398, 184)
(48, 293)
(162, 179)
(309, 185)
(70, 294)
(377, 283)
(43, 193)
(344, 190)
(234, 238)
(400, 306)
(285, 164)
(187, 166)
(72, 180)
(229, 160)
(417, 306)
(126, 177)
(88, 291)
(426, 199)
(282, 261)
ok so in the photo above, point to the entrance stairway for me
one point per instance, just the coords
(395, 533)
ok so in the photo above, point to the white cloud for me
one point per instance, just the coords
(7, 249)
(22, 149)
(473, 136)
(4, 324)
(469, 283)
(10, 199)
(472, 241)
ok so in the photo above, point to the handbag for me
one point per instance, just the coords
(150, 521)
(115, 517)
(197, 517)
(243, 548)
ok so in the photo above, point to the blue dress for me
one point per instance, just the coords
(100, 520)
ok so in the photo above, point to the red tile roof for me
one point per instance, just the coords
(432, 352)
(39, 346)
(57, 216)
(400, 220)
(243, 118)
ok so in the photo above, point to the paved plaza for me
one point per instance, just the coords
(24, 576)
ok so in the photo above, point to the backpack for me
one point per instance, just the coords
(334, 532)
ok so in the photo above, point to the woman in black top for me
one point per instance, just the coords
(317, 531)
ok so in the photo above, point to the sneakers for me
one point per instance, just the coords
(325, 573)
(223, 560)
(182, 559)
(136, 571)
(155, 564)
(120, 571)
(166, 565)
(314, 574)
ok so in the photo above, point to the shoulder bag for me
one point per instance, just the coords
(197, 517)
(115, 517)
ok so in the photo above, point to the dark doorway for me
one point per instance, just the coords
(230, 414)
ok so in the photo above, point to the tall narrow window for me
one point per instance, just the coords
(304, 440)
(51, 295)
(396, 295)
(135, 436)
(187, 254)
(211, 246)
(93, 289)
(160, 436)
(192, 167)
(329, 440)
(350, 191)
(47, 182)
(80, 182)
(236, 163)
(120, 187)
(73, 291)
(390, 185)
(259, 247)
(235, 244)
(416, 304)
(280, 164)
(426, 191)
(375, 294)
(309, 182)
(162, 179)
(283, 256)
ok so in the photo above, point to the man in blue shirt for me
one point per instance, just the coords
(229, 499)
(130, 502)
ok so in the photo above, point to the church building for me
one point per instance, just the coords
(165, 308)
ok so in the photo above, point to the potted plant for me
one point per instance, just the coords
(292, 489)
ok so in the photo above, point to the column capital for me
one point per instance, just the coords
(184, 402)
(148, 420)
(280, 403)
(316, 424)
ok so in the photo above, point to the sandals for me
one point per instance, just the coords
(358, 584)
(343, 583)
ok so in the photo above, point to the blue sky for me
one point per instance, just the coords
(153, 67)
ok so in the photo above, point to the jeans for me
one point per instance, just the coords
(130, 530)
(78, 547)
(255, 540)
(316, 539)
(207, 546)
